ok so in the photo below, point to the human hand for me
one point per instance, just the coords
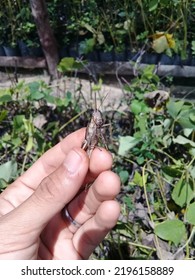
(31, 222)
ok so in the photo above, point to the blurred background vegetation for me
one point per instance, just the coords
(152, 139)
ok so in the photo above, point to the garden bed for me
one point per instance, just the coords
(152, 142)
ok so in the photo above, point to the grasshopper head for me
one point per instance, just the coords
(97, 118)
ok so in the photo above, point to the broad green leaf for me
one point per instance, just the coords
(5, 98)
(183, 141)
(139, 180)
(190, 214)
(171, 230)
(174, 107)
(186, 118)
(183, 192)
(18, 121)
(187, 131)
(36, 95)
(138, 107)
(100, 38)
(66, 64)
(33, 87)
(124, 176)
(128, 201)
(8, 170)
(70, 64)
(192, 116)
(88, 27)
(172, 170)
(160, 44)
(153, 5)
(50, 98)
(126, 143)
(192, 171)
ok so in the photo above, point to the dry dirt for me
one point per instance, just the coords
(110, 90)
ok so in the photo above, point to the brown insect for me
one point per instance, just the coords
(94, 132)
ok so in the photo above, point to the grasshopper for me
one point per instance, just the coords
(94, 132)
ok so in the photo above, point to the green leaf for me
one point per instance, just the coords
(8, 170)
(5, 98)
(126, 143)
(128, 201)
(36, 95)
(33, 87)
(138, 179)
(172, 170)
(174, 107)
(192, 116)
(183, 192)
(183, 141)
(66, 64)
(29, 145)
(138, 107)
(124, 176)
(3, 115)
(153, 5)
(70, 64)
(171, 230)
(18, 121)
(98, 86)
(190, 214)
(186, 118)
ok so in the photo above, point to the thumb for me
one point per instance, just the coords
(54, 192)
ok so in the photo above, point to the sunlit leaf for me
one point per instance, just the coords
(183, 192)
(183, 141)
(162, 41)
(171, 230)
(3, 115)
(174, 107)
(29, 145)
(8, 170)
(190, 214)
(153, 5)
(126, 143)
(139, 180)
(70, 64)
(185, 118)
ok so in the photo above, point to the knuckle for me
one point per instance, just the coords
(50, 188)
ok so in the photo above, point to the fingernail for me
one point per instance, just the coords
(72, 161)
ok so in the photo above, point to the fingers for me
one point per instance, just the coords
(89, 236)
(24, 186)
(85, 205)
(82, 209)
(52, 159)
(50, 197)
(101, 160)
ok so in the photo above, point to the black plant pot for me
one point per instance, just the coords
(36, 51)
(2, 52)
(92, 56)
(73, 51)
(106, 56)
(11, 51)
(120, 56)
(166, 60)
(128, 55)
(150, 58)
(63, 52)
(24, 50)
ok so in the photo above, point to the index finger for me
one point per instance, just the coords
(52, 159)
